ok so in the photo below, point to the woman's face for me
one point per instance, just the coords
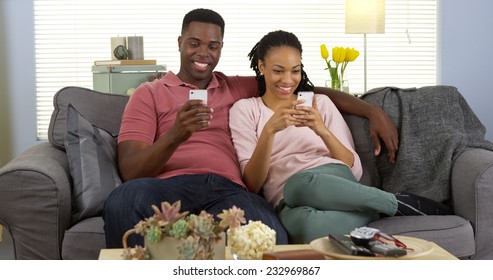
(282, 71)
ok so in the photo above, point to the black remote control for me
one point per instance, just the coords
(345, 244)
(386, 250)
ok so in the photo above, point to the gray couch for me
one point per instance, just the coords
(36, 203)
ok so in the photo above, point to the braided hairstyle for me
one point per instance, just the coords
(205, 16)
(272, 40)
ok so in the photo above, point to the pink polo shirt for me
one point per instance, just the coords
(151, 112)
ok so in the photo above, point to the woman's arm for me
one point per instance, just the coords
(257, 168)
(310, 117)
(381, 127)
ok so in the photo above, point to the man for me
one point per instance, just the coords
(171, 148)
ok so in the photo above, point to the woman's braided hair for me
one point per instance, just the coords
(272, 40)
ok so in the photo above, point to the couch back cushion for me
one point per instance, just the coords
(100, 109)
(364, 147)
(105, 111)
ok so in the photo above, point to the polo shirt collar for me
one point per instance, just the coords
(170, 79)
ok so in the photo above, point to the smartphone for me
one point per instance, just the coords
(307, 96)
(198, 94)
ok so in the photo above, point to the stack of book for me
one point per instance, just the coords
(125, 62)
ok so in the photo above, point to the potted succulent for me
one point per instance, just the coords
(169, 234)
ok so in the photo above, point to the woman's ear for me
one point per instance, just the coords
(261, 66)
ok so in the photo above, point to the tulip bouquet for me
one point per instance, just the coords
(341, 57)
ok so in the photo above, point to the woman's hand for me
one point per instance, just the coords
(283, 117)
(310, 117)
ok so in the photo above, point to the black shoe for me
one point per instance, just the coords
(409, 204)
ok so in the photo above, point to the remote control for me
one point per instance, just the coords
(345, 244)
(386, 250)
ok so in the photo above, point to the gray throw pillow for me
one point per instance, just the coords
(91, 153)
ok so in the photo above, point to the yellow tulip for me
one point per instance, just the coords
(351, 54)
(338, 54)
(324, 52)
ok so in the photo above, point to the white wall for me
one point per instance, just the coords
(466, 54)
(465, 60)
(17, 77)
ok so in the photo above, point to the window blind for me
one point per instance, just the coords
(71, 34)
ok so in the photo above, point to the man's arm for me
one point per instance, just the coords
(380, 124)
(137, 159)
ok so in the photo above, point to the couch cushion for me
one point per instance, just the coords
(364, 147)
(84, 240)
(91, 153)
(452, 233)
(100, 109)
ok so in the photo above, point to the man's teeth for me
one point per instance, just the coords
(201, 64)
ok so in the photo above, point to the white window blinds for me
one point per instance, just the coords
(71, 34)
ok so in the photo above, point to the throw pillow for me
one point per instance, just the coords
(91, 153)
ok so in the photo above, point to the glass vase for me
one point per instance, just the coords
(345, 86)
(334, 84)
(335, 81)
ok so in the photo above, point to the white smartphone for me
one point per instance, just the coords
(198, 94)
(307, 96)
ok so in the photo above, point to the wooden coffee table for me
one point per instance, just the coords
(437, 252)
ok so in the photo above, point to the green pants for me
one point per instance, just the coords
(328, 199)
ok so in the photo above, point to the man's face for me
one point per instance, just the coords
(200, 49)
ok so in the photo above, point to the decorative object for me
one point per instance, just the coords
(365, 17)
(135, 46)
(120, 52)
(251, 241)
(341, 57)
(115, 42)
(186, 237)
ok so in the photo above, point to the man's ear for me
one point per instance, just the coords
(179, 43)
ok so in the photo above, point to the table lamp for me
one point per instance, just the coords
(365, 17)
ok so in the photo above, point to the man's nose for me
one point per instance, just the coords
(203, 50)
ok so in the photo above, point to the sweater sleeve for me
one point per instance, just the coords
(338, 126)
(243, 124)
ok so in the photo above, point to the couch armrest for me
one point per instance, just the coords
(35, 201)
(472, 195)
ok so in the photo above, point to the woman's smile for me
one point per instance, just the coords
(285, 90)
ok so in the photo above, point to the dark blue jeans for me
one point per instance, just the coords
(131, 202)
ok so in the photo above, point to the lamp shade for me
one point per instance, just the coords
(365, 16)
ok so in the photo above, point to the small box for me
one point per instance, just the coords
(119, 79)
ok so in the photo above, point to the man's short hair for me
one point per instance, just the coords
(203, 15)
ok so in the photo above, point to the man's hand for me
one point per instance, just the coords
(193, 116)
(137, 159)
(381, 127)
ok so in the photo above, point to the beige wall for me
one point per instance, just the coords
(5, 131)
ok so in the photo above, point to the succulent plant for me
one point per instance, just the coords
(198, 232)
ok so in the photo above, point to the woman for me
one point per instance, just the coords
(302, 158)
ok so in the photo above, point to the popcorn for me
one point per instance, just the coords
(251, 241)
